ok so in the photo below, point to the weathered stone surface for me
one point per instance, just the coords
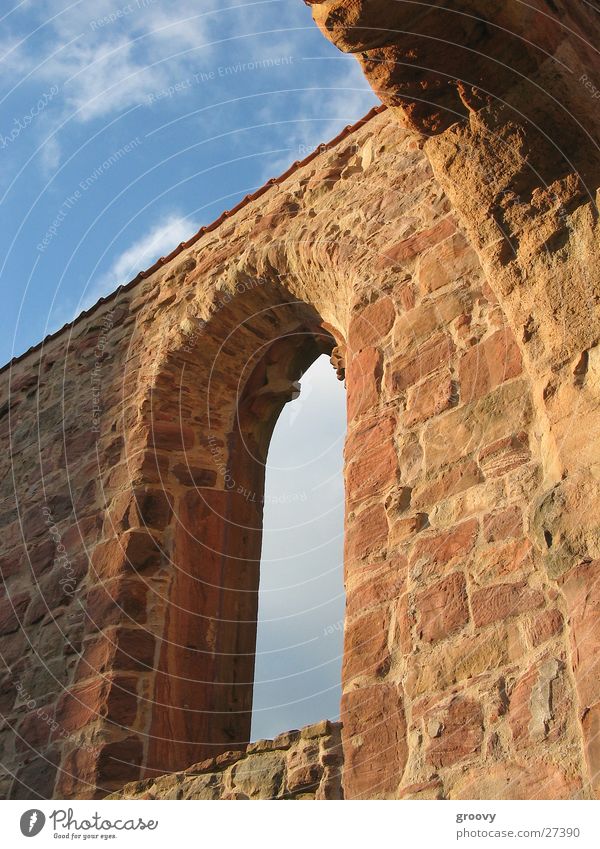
(545, 626)
(518, 780)
(366, 649)
(446, 263)
(372, 459)
(364, 379)
(379, 584)
(503, 601)
(504, 561)
(430, 398)
(582, 593)
(504, 455)
(134, 551)
(368, 536)
(411, 368)
(260, 776)
(372, 324)
(435, 550)
(591, 735)
(449, 481)
(374, 723)
(442, 608)
(460, 733)
(487, 365)
(463, 660)
(12, 611)
(538, 705)
(504, 524)
(307, 766)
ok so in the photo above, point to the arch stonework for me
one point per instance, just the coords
(132, 486)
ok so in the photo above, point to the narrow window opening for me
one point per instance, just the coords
(301, 595)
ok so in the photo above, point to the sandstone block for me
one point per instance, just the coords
(260, 776)
(517, 780)
(504, 524)
(430, 398)
(304, 778)
(591, 733)
(119, 762)
(171, 436)
(448, 481)
(411, 368)
(116, 601)
(504, 455)
(33, 732)
(544, 627)
(113, 698)
(462, 660)
(118, 649)
(191, 475)
(489, 364)
(366, 650)
(371, 325)
(442, 609)
(374, 468)
(582, 592)
(205, 787)
(445, 263)
(416, 325)
(41, 557)
(374, 737)
(503, 601)
(537, 705)
(405, 527)
(366, 534)
(461, 733)
(498, 561)
(468, 428)
(133, 551)
(378, 586)
(407, 249)
(363, 380)
(12, 612)
(435, 549)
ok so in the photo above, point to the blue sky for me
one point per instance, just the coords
(125, 126)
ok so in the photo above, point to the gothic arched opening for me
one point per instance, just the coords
(301, 596)
(201, 701)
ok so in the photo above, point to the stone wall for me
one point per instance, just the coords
(304, 764)
(131, 488)
(504, 100)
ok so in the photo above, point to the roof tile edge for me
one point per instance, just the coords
(225, 215)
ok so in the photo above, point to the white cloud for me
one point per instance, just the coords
(50, 155)
(159, 241)
(122, 51)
